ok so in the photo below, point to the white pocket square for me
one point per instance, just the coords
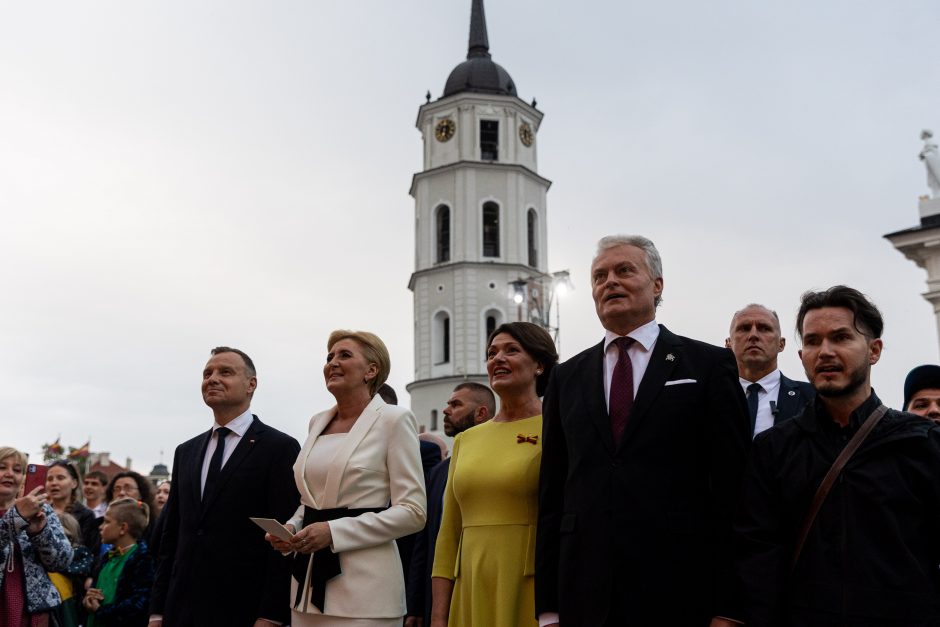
(680, 382)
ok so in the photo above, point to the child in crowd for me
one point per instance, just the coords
(70, 581)
(120, 594)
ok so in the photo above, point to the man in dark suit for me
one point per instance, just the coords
(756, 340)
(470, 404)
(215, 567)
(645, 438)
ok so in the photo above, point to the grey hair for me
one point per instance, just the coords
(653, 261)
(756, 306)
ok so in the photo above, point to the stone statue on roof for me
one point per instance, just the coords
(931, 158)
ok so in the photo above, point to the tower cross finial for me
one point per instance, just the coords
(479, 42)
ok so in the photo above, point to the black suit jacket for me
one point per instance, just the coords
(419, 578)
(216, 570)
(792, 398)
(638, 534)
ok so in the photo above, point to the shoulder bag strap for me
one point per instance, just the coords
(823, 490)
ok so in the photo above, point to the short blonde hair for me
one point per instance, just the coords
(133, 512)
(373, 349)
(9, 451)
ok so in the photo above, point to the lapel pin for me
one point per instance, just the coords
(670, 357)
(791, 393)
(251, 441)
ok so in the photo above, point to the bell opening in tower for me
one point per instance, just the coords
(489, 140)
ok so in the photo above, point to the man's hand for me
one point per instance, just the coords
(414, 621)
(281, 546)
(719, 621)
(261, 622)
(155, 622)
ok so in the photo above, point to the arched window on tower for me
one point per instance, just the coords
(492, 318)
(440, 340)
(490, 229)
(532, 226)
(442, 233)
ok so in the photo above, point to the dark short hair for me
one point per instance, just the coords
(249, 365)
(534, 340)
(144, 486)
(865, 315)
(483, 393)
(97, 474)
(388, 394)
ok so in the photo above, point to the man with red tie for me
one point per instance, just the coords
(645, 439)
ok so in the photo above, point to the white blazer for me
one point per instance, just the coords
(377, 465)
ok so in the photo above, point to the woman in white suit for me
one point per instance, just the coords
(361, 486)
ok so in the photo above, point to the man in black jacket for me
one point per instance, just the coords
(216, 570)
(644, 443)
(755, 339)
(871, 557)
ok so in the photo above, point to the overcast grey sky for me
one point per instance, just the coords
(178, 175)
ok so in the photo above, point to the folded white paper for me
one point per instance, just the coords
(273, 527)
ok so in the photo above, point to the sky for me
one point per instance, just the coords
(176, 176)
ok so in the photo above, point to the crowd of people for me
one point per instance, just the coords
(69, 563)
(650, 479)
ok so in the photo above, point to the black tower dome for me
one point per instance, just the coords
(479, 73)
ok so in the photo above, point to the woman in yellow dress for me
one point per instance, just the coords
(484, 559)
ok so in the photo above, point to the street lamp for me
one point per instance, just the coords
(538, 293)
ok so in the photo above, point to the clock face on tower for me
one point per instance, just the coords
(526, 134)
(445, 129)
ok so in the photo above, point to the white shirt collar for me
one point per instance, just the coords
(768, 382)
(645, 335)
(238, 425)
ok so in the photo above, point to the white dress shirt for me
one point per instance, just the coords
(640, 353)
(770, 389)
(239, 427)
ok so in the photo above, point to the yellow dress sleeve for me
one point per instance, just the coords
(447, 549)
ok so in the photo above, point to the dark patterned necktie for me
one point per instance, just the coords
(621, 390)
(215, 464)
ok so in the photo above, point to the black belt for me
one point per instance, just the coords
(327, 563)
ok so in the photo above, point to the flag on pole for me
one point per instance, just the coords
(81, 452)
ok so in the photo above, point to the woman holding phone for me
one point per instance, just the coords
(31, 542)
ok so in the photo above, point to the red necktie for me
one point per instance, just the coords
(621, 390)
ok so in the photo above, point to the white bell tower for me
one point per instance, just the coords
(480, 223)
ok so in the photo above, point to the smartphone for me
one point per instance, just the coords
(35, 476)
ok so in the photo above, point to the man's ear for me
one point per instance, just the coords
(874, 350)
(727, 342)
